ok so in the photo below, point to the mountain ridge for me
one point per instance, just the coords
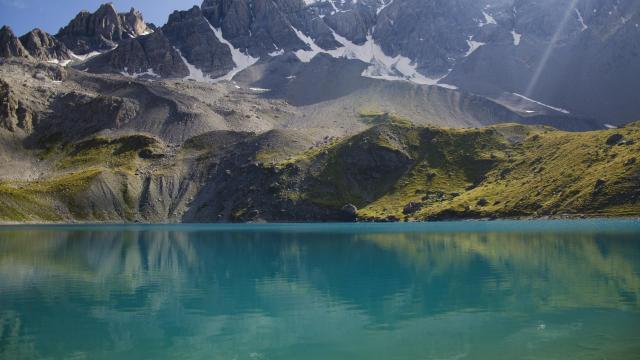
(490, 48)
(287, 110)
(393, 171)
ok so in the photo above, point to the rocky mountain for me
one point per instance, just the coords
(42, 46)
(199, 44)
(390, 172)
(520, 54)
(152, 56)
(280, 110)
(102, 30)
(10, 45)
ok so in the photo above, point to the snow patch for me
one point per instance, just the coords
(379, 10)
(473, 46)
(516, 37)
(240, 59)
(381, 66)
(194, 73)
(447, 86)
(86, 57)
(259, 89)
(147, 31)
(307, 55)
(149, 72)
(581, 20)
(276, 53)
(488, 19)
(609, 126)
(542, 104)
(62, 63)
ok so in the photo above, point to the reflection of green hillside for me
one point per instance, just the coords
(553, 269)
(391, 290)
(558, 268)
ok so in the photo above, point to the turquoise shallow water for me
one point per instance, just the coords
(461, 290)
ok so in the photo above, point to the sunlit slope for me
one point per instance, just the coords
(502, 171)
(392, 171)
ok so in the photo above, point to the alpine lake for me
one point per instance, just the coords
(415, 291)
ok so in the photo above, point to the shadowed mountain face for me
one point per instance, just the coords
(570, 60)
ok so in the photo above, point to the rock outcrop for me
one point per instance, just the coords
(354, 25)
(42, 46)
(14, 114)
(192, 34)
(87, 114)
(101, 30)
(10, 45)
(263, 27)
(150, 55)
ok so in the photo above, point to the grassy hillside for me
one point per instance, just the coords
(398, 171)
(392, 171)
(78, 167)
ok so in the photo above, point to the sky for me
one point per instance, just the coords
(51, 15)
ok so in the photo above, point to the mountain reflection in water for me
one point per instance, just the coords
(495, 291)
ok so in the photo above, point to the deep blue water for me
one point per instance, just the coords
(460, 290)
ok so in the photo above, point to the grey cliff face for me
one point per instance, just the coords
(150, 55)
(43, 46)
(196, 41)
(101, 30)
(355, 24)
(10, 45)
(261, 27)
(14, 114)
(570, 57)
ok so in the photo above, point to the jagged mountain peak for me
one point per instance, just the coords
(10, 45)
(102, 29)
(512, 51)
(42, 46)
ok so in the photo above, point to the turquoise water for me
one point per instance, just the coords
(462, 290)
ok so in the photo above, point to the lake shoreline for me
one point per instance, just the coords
(480, 220)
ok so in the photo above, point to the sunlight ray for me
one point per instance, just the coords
(549, 50)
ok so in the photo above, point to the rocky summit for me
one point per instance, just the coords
(281, 110)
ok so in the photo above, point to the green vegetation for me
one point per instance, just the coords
(392, 171)
(400, 171)
(77, 165)
(40, 200)
(121, 153)
(560, 173)
(380, 118)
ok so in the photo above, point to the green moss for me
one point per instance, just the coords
(380, 118)
(501, 171)
(122, 153)
(505, 170)
(556, 173)
(36, 201)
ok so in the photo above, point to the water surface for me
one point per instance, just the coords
(461, 290)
